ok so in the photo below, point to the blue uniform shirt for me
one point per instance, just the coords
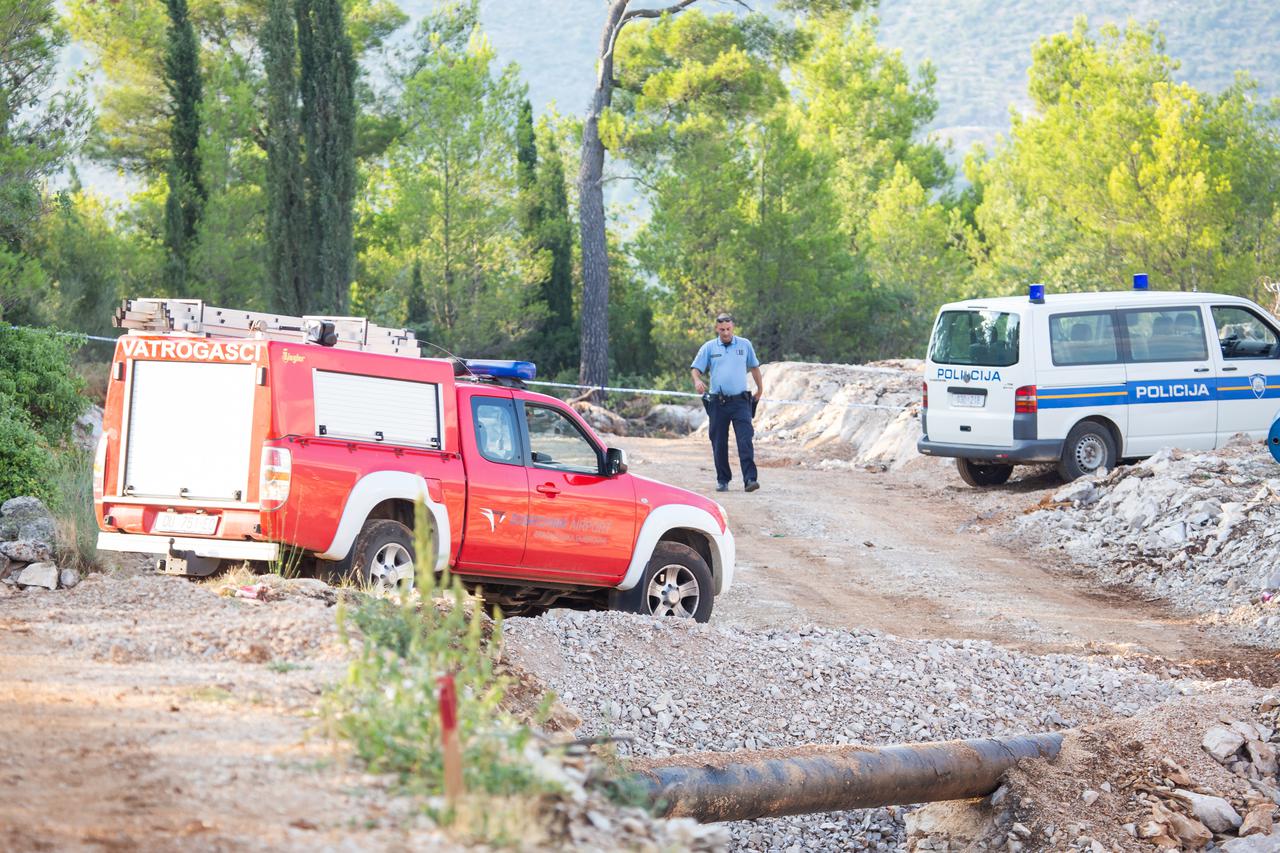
(727, 363)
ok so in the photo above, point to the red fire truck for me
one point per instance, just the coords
(234, 437)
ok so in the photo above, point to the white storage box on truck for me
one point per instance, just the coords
(1087, 379)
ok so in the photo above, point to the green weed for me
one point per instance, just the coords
(71, 502)
(387, 707)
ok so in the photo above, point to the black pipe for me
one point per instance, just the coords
(742, 786)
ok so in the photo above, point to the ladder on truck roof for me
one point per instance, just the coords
(160, 316)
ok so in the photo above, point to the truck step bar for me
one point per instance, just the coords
(745, 786)
(163, 316)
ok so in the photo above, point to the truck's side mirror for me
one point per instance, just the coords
(615, 461)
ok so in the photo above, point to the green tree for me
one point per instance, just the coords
(186, 185)
(327, 75)
(39, 129)
(285, 189)
(1119, 168)
(444, 200)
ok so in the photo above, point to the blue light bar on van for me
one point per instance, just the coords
(1140, 281)
(502, 369)
(1036, 292)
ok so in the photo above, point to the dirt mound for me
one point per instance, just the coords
(1196, 528)
(843, 414)
(1144, 783)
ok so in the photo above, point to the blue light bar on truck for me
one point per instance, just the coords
(525, 370)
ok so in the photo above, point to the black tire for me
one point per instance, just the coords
(672, 564)
(380, 545)
(1089, 447)
(983, 474)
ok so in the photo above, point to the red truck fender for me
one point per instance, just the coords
(669, 517)
(371, 490)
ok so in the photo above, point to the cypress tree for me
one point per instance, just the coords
(327, 81)
(419, 313)
(527, 170)
(555, 234)
(286, 202)
(187, 194)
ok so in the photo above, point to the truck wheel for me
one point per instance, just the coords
(676, 583)
(982, 474)
(382, 555)
(1089, 446)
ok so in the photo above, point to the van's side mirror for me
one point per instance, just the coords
(615, 461)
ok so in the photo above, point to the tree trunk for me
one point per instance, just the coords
(594, 364)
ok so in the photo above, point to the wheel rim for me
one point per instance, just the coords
(1091, 452)
(673, 591)
(391, 566)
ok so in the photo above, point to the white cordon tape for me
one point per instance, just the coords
(654, 392)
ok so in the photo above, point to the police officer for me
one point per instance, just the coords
(728, 358)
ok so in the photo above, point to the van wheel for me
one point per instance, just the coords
(676, 582)
(382, 555)
(983, 474)
(1089, 447)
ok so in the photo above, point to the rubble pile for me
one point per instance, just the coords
(1185, 775)
(27, 536)
(666, 686)
(1198, 529)
(846, 415)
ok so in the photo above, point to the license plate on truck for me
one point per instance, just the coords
(185, 522)
(968, 401)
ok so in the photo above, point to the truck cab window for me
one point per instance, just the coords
(555, 441)
(496, 430)
(1243, 334)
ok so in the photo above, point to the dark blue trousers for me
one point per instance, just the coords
(736, 411)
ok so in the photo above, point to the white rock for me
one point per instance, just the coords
(1222, 743)
(1252, 844)
(1214, 812)
(68, 578)
(39, 574)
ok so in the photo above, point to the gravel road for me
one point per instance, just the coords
(916, 553)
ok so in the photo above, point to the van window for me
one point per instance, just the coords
(980, 338)
(1243, 334)
(1166, 334)
(1083, 338)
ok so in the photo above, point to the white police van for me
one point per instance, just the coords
(1087, 379)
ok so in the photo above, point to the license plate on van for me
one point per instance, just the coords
(185, 522)
(968, 401)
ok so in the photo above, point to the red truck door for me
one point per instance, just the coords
(497, 482)
(580, 521)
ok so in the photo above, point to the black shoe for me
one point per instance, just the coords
(722, 487)
(752, 485)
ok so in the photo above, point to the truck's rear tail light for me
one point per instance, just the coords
(275, 477)
(1024, 400)
(100, 468)
(924, 390)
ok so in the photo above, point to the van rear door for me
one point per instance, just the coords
(973, 372)
(192, 416)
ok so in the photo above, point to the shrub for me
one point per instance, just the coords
(36, 376)
(26, 466)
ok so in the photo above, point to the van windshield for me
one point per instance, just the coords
(980, 338)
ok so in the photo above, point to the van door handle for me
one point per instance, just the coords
(1201, 370)
(1229, 369)
(548, 489)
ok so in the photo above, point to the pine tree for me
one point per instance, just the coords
(327, 81)
(286, 201)
(187, 194)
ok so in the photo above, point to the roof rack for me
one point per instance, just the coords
(192, 316)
